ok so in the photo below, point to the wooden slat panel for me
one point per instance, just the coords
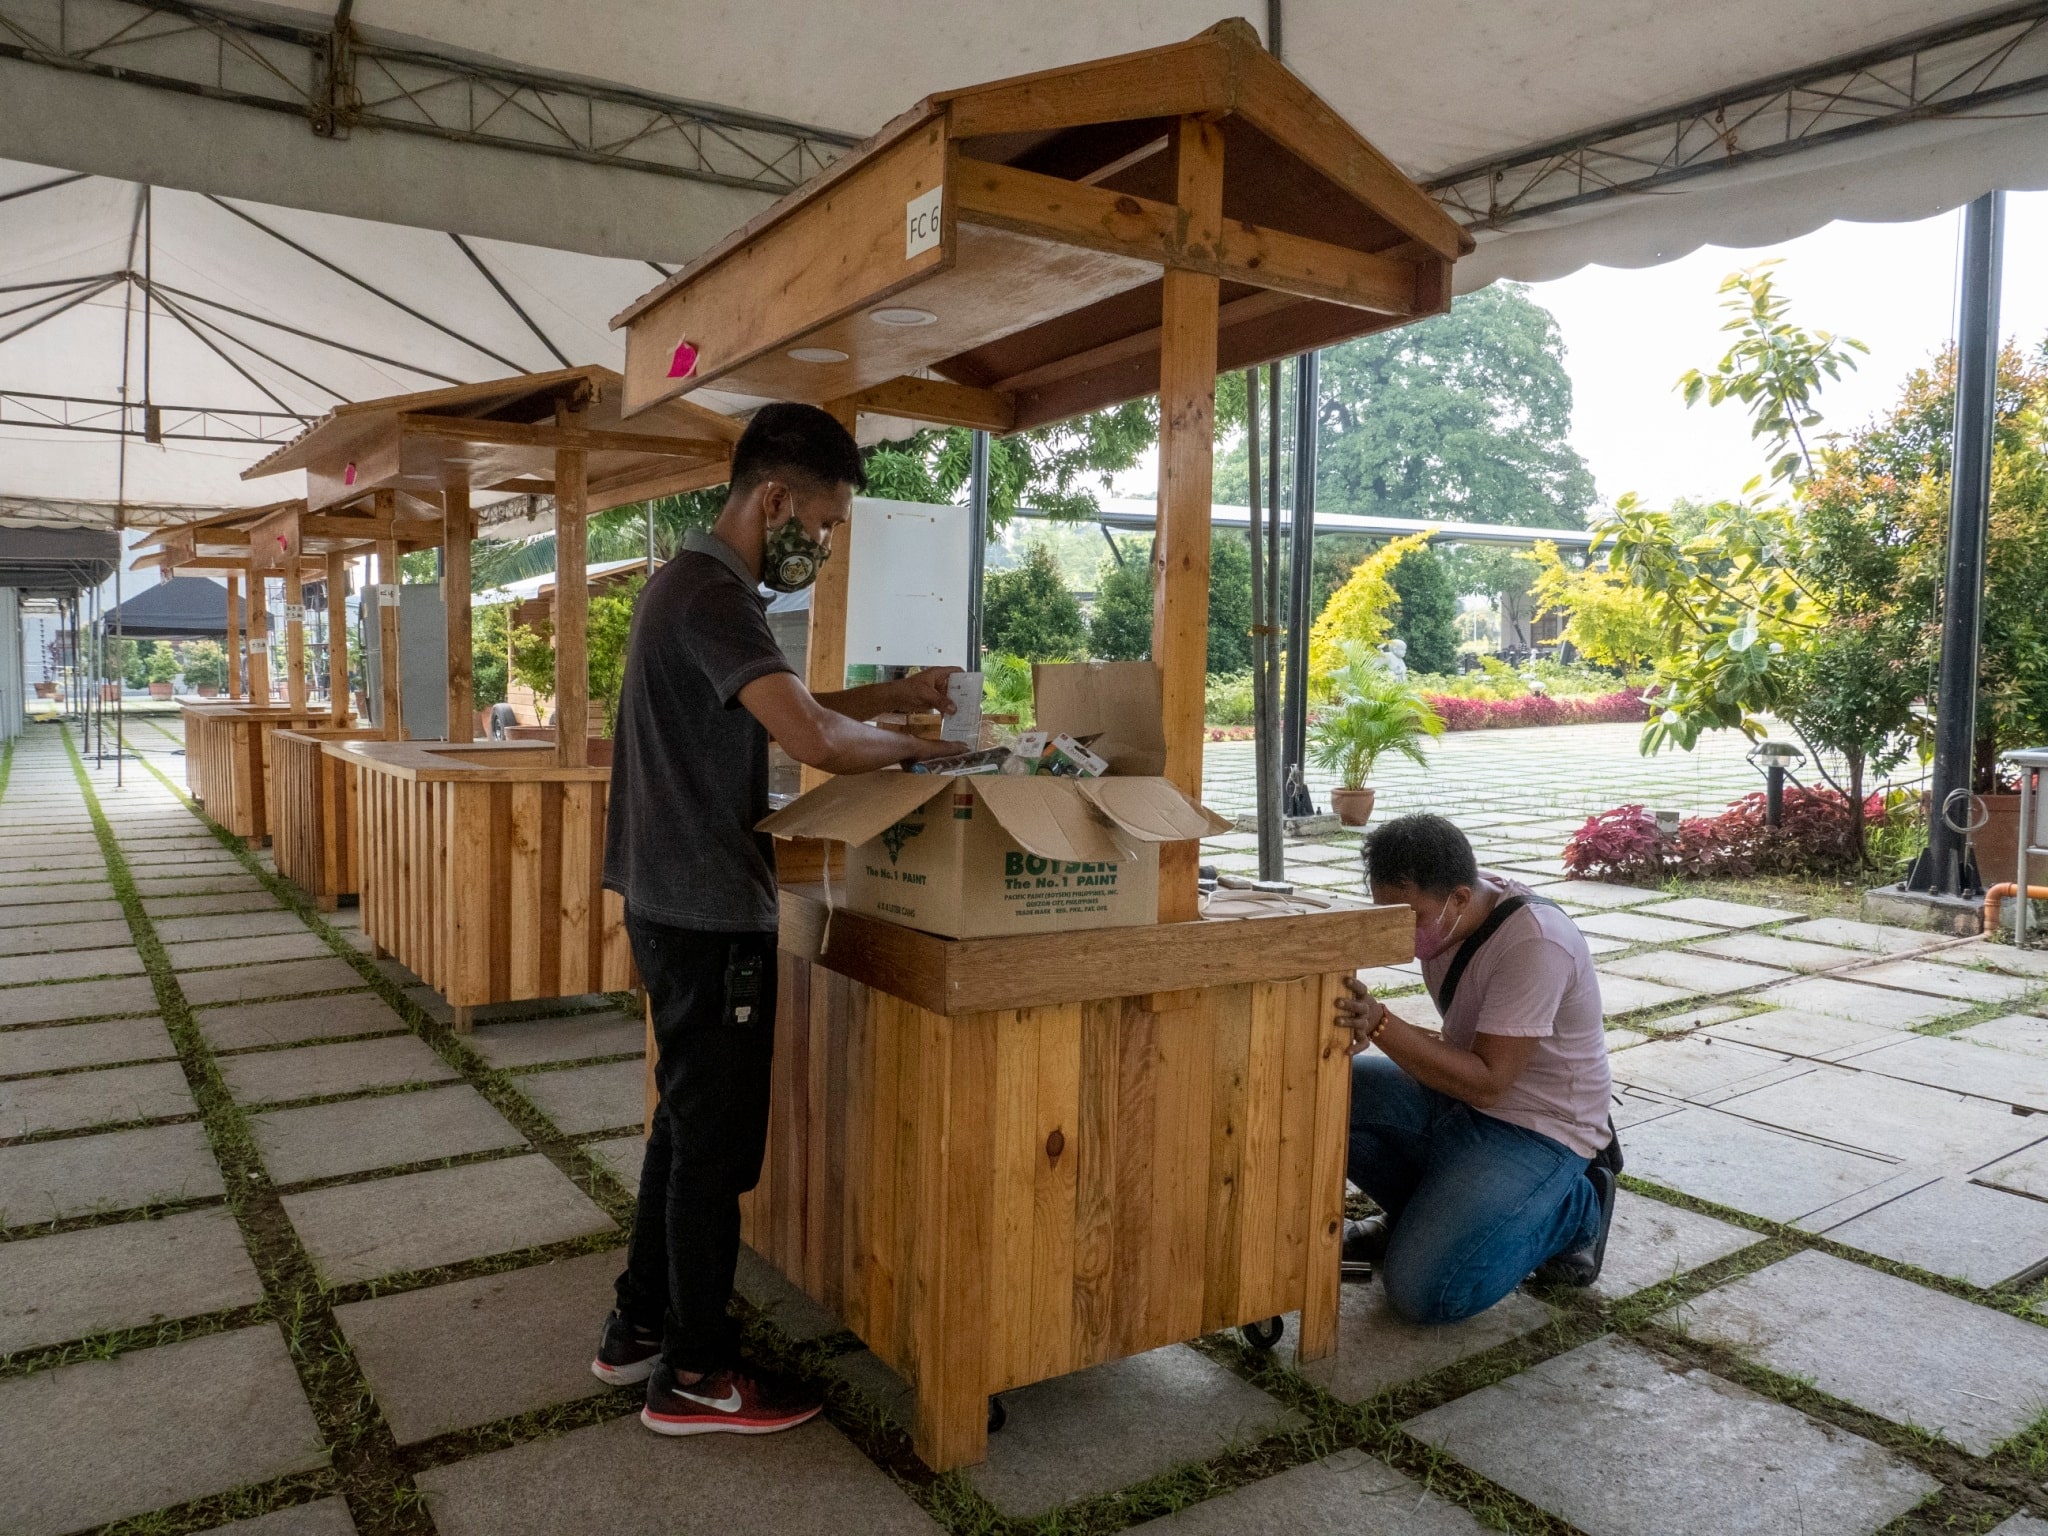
(1011, 1171)
(467, 961)
(1136, 1212)
(526, 910)
(577, 882)
(1181, 1169)
(1259, 1183)
(957, 1135)
(1230, 1010)
(1098, 1136)
(832, 1012)
(1325, 1213)
(1055, 1187)
(821, 1117)
(856, 1224)
(1296, 1163)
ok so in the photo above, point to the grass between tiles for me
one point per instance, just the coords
(381, 1496)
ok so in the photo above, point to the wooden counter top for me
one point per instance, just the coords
(510, 762)
(957, 976)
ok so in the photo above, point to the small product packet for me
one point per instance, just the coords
(964, 724)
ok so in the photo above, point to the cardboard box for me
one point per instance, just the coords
(995, 854)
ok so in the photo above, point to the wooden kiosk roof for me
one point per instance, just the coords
(266, 539)
(502, 435)
(995, 256)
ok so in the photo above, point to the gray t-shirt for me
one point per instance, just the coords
(1535, 977)
(690, 765)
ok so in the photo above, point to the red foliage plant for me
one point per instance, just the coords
(1810, 838)
(1537, 709)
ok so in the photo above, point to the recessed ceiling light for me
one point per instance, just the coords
(817, 354)
(904, 317)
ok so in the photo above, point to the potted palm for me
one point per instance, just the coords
(1372, 713)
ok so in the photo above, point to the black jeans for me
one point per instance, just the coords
(710, 1131)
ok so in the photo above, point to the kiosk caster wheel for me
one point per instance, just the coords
(1263, 1336)
(998, 1415)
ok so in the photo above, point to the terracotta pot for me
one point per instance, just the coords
(209, 690)
(1353, 806)
(159, 690)
(110, 693)
(46, 690)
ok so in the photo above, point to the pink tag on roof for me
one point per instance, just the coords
(348, 476)
(684, 363)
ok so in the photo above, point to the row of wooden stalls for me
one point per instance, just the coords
(999, 1159)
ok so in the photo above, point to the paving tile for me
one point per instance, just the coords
(1691, 1019)
(1696, 972)
(1926, 1126)
(441, 1216)
(622, 1155)
(1951, 981)
(1909, 1354)
(46, 938)
(1956, 1228)
(793, 1313)
(1348, 1494)
(1632, 1107)
(580, 1099)
(2000, 957)
(324, 1141)
(282, 979)
(1817, 1035)
(580, 1037)
(1597, 893)
(1659, 1447)
(1787, 954)
(239, 1026)
(228, 925)
(352, 1066)
(76, 1000)
(228, 881)
(453, 1356)
(106, 1096)
(1627, 994)
(1701, 1068)
(1753, 1168)
(1639, 928)
(1113, 1425)
(69, 965)
(1722, 914)
(1878, 938)
(58, 1047)
(1962, 1066)
(85, 1444)
(122, 1276)
(256, 900)
(254, 950)
(322, 1517)
(2025, 1171)
(1651, 1242)
(1855, 1000)
(619, 1479)
(1389, 980)
(1377, 1350)
(2020, 1525)
(60, 914)
(87, 1175)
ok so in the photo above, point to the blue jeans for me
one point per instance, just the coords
(1473, 1204)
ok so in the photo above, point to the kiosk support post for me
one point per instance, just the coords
(259, 640)
(390, 700)
(456, 532)
(572, 609)
(337, 638)
(1187, 409)
(825, 643)
(234, 636)
(295, 637)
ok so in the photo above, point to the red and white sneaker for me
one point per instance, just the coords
(626, 1355)
(723, 1403)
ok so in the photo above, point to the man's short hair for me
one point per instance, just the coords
(786, 438)
(1424, 851)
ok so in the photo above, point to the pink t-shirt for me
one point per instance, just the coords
(1535, 977)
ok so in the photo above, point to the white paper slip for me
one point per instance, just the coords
(964, 724)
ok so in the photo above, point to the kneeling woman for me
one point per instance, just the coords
(1490, 1150)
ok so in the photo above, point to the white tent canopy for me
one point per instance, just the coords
(571, 198)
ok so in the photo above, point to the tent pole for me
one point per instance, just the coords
(1298, 801)
(120, 637)
(1947, 868)
(977, 541)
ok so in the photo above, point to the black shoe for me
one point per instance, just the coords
(1365, 1246)
(626, 1354)
(1581, 1266)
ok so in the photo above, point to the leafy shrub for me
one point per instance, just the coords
(206, 664)
(1228, 699)
(1624, 844)
(1029, 612)
(1482, 714)
(1006, 687)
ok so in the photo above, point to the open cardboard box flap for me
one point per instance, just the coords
(1151, 810)
(1116, 702)
(1047, 818)
(855, 808)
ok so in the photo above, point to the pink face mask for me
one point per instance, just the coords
(1432, 939)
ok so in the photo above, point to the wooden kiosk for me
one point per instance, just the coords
(1000, 1160)
(479, 863)
(231, 744)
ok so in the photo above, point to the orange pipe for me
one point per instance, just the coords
(1995, 897)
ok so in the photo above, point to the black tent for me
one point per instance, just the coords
(181, 608)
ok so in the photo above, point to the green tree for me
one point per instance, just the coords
(1462, 417)
(1029, 612)
(1120, 628)
(205, 664)
(1230, 603)
(490, 653)
(1428, 615)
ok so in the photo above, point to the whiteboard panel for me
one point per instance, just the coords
(907, 591)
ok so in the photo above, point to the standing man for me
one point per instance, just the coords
(705, 689)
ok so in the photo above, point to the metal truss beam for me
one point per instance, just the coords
(148, 423)
(1955, 70)
(340, 82)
